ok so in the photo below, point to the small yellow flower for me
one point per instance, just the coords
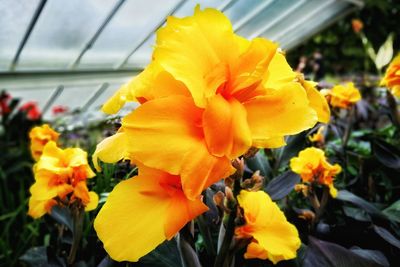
(318, 137)
(60, 178)
(312, 166)
(39, 136)
(343, 96)
(392, 76)
(273, 237)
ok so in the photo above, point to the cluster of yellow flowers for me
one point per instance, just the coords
(60, 174)
(206, 98)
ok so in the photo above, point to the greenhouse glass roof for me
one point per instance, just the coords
(77, 53)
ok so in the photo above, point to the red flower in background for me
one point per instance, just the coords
(32, 110)
(59, 109)
(4, 103)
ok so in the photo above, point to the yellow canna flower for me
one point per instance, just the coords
(318, 137)
(142, 212)
(207, 97)
(312, 166)
(392, 76)
(39, 136)
(60, 178)
(273, 237)
(344, 96)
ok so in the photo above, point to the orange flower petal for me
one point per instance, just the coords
(163, 130)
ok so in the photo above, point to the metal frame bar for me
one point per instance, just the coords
(32, 80)
(94, 38)
(277, 19)
(147, 37)
(303, 19)
(103, 87)
(28, 32)
(324, 25)
(225, 5)
(53, 98)
(243, 21)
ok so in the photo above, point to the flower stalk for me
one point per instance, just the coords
(78, 213)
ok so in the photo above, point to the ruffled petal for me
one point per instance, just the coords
(279, 72)
(190, 47)
(283, 112)
(268, 226)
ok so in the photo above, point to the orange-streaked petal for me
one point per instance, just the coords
(225, 127)
(267, 224)
(200, 170)
(283, 112)
(38, 208)
(279, 72)
(163, 130)
(126, 223)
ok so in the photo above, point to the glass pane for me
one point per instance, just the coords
(61, 32)
(313, 25)
(14, 20)
(73, 97)
(133, 22)
(241, 8)
(267, 16)
(40, 96)
(98, 103)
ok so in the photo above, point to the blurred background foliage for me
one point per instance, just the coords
(342, 48)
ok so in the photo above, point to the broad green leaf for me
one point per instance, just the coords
(35, 256)
(282, 185)
(347, 196)
(387, 236)
(387, 154)
(259, 163)
(393, 211)
(322, 253)
(385, 53)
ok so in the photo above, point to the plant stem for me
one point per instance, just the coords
(78, 213)
(324, 201)
(224, 257)
(393, 109)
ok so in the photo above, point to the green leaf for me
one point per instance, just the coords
(347, 196)
(295, 143)
(357, 214)
(387, 154)
(36, 256)
(259, 163)
(282, 185)
(393, 211)
(165, 255)
(385, 53)
(374, 255)
(322, 253)
(387, 236)
(63, 216)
